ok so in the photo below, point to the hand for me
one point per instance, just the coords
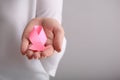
(54, 33)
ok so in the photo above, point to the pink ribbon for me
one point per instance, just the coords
(37, 38)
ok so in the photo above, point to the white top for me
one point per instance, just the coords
(14, 15)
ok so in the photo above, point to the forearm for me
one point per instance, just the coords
(50, 8)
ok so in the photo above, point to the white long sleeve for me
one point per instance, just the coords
(52, 9)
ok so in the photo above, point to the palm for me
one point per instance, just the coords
(54, 34)
(50, 38)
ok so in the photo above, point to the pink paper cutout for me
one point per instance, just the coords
(37, 38)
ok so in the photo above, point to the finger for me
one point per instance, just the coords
(44, 56)
(48, 51)
(29, 54)
(58, 39)
(37, 55)
(24, 45)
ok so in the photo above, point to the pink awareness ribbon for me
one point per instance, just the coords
(37, 38)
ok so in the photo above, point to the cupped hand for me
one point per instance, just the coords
(54, 33)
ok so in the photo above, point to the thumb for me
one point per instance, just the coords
(58, 38)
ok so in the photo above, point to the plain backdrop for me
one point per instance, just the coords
(92, 29)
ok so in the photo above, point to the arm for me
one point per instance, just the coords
(48, 14)
(51, 9)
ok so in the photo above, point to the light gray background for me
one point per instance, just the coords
(93, 33)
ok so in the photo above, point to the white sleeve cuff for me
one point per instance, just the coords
(51, 63)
